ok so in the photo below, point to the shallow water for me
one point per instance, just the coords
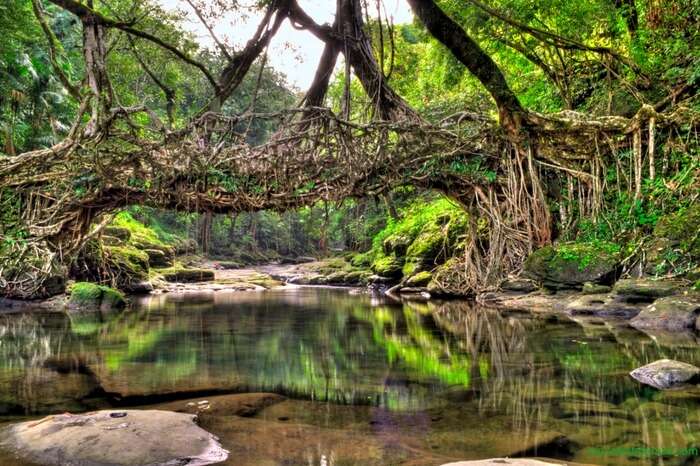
(368, 381)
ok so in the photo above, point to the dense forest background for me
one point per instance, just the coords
(603, 57)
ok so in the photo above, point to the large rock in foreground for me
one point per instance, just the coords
(115, 438)
(665, 373)
(671, 313)
(507, 462)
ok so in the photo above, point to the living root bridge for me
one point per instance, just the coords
(64, 194)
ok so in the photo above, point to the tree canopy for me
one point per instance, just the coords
(108, 104)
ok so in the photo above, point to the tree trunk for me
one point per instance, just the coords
(480, 64)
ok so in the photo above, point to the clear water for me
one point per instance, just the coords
(368, 381)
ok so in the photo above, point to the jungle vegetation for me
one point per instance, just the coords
(542, 121)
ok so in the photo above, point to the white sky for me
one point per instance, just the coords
(295, 53)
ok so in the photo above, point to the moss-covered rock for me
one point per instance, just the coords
(569, 265)
(127, 261)
(157, 258)
(637, 289)
(228, 265)
(121, 233)
(429, 248)
(179, 274)
(387, 266)
(396, 244)
(420, 279)
(90, 296)
(595, 288)
(361, 259)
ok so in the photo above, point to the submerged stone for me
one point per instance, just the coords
(132, 437)
(665, 373)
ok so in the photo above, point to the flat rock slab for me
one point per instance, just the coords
(115, 438)
(507, 462)
(665, 373)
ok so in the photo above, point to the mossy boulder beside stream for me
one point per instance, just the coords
(181, 274)
(91, 296)
(426, 237)
(570, 265)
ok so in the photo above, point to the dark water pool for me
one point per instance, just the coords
(368, 381)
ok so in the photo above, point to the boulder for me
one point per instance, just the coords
(90, 296)
(396, 244)
(420, 279)
(665, 373)
(670, 313)
(644, 289)
(387, 266)
(114, 438)
(337, 278)
(157, 258)
(183, 275)
(228, 265)
(139, 287)
(570, 265)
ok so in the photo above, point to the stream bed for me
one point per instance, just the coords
(366, 381)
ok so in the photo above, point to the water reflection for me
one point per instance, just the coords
(474, 382)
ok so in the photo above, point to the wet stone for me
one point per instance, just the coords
(666, 373)
(138, 437)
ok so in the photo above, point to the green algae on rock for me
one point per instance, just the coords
(570, 265)
(85, 296)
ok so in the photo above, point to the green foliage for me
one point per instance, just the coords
(585, 254)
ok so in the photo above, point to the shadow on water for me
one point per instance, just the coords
(469, 382)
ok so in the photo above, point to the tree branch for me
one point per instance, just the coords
(83, 12)
(54, 45)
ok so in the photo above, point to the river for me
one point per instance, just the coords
(366, 380)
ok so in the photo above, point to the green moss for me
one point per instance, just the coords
(129, 260)
(584, 254)
(362, 259)
(679, 225)
(682, 228)
(572, 264)
(420, 279)
(387, 266)
(138, 231)
(85, 294)
(178, 273)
